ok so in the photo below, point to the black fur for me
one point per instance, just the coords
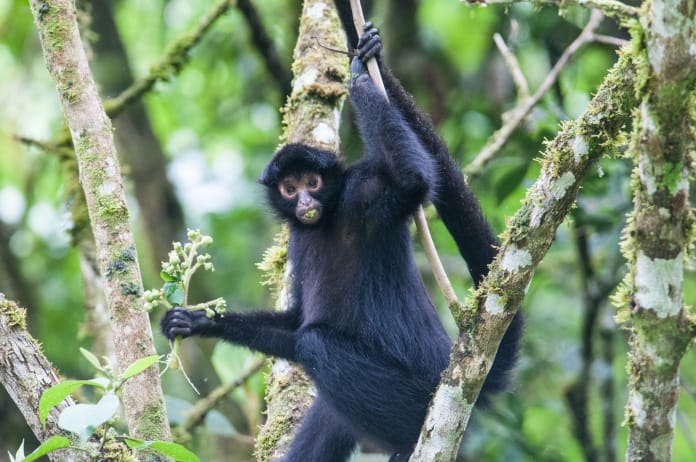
(361, 323)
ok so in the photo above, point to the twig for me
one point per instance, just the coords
(609, 40)
(171, 64)
(421, 222)
(514, 67)
(500, 137)
(47, 146)
(609, 7)
(204, 405)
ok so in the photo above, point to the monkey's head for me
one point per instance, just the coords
(303, 183)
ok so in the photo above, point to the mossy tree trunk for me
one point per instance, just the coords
(311, 116)
(100, 177)
(660, 229)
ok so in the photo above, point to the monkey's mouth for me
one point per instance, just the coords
(309, 215)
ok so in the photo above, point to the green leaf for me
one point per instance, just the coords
(57, 393)
(139, 366)
(93, 360)
(174, 293)
(83, 419)
(51, 444)
(166, 277)
(173, 450)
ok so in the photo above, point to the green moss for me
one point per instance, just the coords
(111, 210)
(274, 262)
(55, 32)
(149, 427)
(67, 77)
(272, 433)
(16, 316)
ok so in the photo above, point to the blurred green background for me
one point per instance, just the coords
(213, 127)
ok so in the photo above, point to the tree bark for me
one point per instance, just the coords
(100, 177)
(660, 229)
(311, 117)
(26, 374)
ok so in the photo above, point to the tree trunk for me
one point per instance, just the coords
(660, 228)
(100, 177)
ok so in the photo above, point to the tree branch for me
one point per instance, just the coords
(530, 233)
(171, 64)
(202, 407)
(611, 8)
(517, 115)
(26, 374)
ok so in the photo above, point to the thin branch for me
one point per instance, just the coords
(609, 40)
(47, 146)
(611, 8)
(202, 407)
(171, 64)
(500, 137)
(513, 67)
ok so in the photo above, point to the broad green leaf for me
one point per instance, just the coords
(173, 450)
(139, 366)
(93, 360)
(83, 419)
(57, 393)
(51, 444)
(174, 293)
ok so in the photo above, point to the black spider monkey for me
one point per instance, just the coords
(360, 321)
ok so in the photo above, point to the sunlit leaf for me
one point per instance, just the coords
(139, 366)
(83, 419)
(57, 393)
(51, 444)
(173, 450)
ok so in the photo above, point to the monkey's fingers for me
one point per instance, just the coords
(175, 332)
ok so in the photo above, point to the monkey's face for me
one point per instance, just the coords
(303, 190)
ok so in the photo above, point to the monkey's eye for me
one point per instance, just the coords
(314, 182)
(288, 190)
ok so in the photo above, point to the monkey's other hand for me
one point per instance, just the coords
(369, 43)
(180, 322)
